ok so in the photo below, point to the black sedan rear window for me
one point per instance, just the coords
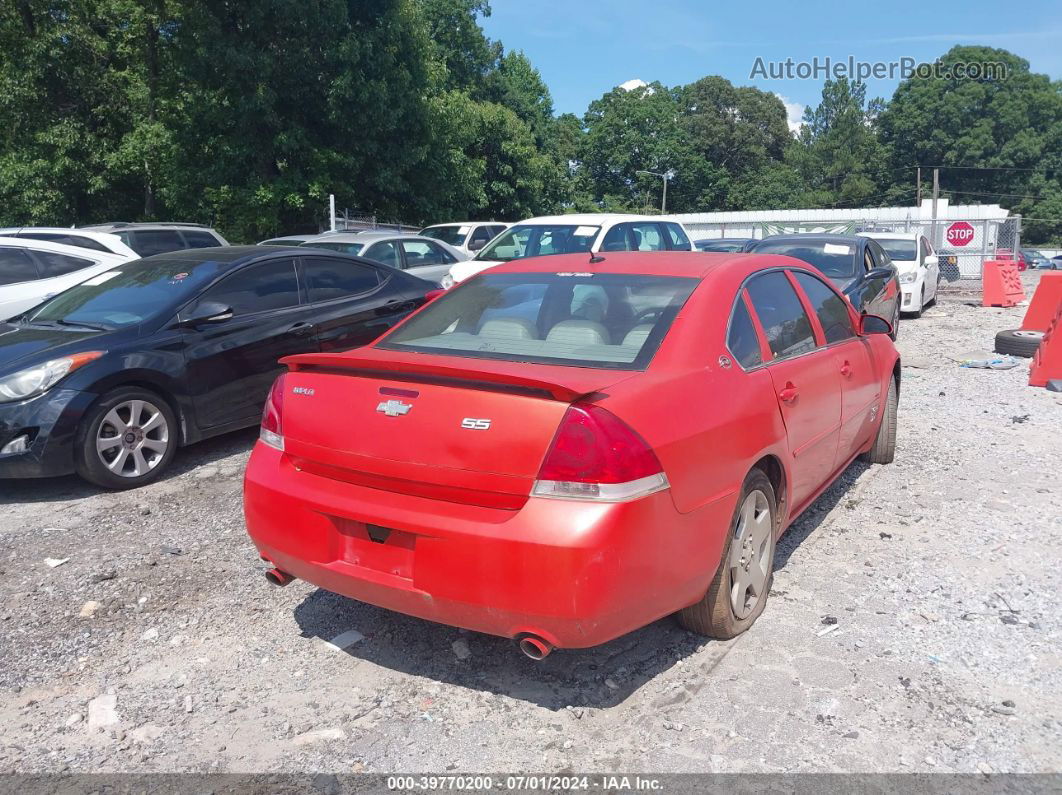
(836, 260)
(579, 319)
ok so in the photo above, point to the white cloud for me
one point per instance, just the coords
(630, 85)
(794, 112)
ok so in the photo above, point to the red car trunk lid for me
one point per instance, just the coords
(463, 431)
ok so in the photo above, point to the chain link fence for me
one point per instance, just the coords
(962, 246)
(352, 220)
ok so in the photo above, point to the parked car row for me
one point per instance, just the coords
(526, 422)
(567, 234)
(884, 273)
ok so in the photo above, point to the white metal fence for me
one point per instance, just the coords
(963, 246)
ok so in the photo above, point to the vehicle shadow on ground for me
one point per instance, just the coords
(810, 521)
(71, 487)
(599, 677)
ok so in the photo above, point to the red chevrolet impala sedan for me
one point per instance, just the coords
(564, 449)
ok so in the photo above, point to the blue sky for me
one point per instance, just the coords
(584, 48)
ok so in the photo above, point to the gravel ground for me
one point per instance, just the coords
(913, 626)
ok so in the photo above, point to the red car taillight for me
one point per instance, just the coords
(272, 431)
(597, 456)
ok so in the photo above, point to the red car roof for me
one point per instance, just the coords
(694, 264)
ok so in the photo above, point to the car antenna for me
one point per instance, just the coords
(595, 258)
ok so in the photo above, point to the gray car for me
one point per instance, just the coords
(420, 256)
(161, 237)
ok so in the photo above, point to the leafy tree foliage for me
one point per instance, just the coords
(838, 155)
(999, 137)
(247, 113)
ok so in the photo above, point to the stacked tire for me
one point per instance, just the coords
(1018, 342)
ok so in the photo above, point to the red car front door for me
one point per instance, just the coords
(860, 387)
(806, 381)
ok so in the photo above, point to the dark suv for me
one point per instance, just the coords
(147, 239)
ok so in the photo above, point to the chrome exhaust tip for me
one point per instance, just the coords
(278, 578)
(534, 647)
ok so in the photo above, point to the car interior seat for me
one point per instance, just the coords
(578, 332)
(514, 328)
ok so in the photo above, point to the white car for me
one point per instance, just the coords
(917, 265)
(567, 234)
(419, 256)
(32, 271)
(82, 238)
(469, 236)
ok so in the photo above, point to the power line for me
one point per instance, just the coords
(1008, 195)
(980, 168)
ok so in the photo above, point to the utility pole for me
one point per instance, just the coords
(936, 197)
(332, 212)
(665, 176)
(919, 200)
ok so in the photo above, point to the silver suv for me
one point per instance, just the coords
(160, 238)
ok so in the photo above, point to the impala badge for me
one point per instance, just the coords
(394, 408)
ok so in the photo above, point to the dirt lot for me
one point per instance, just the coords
(913, 626)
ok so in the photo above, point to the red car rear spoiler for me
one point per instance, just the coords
(567, 390)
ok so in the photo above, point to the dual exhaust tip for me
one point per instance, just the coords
(531, 645)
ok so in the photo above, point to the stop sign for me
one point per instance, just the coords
(960, 233)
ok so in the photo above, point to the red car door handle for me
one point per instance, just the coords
(846, 369)
(789, 393)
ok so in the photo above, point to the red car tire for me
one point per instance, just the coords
(884, 449)
(715, 614)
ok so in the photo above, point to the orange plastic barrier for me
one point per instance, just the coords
(1047, 363)
(1045, 302)
(1001, 283)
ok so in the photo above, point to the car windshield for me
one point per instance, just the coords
(454, 235)
(612, 321)
(836, 260)
(337, 245)
(125, 295)
(535, 240)
(902, 250)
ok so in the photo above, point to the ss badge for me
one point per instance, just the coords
(475, 425)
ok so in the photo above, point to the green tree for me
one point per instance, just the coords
(487, 158)
(838, 155)
(462, 53)
(628, 131)
(998, 137)
(73, 99)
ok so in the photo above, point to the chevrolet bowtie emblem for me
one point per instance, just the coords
(394, 408)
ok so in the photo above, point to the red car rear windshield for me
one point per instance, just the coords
(599, 320)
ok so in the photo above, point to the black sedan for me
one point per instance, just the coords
(728, 245)
(857, 265)
(108, 378)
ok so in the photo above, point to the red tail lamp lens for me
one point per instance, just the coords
(593, 445)
(272, 432)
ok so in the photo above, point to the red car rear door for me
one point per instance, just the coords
(806, 380)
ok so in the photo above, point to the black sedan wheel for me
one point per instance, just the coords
(126, 440)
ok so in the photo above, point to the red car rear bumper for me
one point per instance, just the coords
(576, 574)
